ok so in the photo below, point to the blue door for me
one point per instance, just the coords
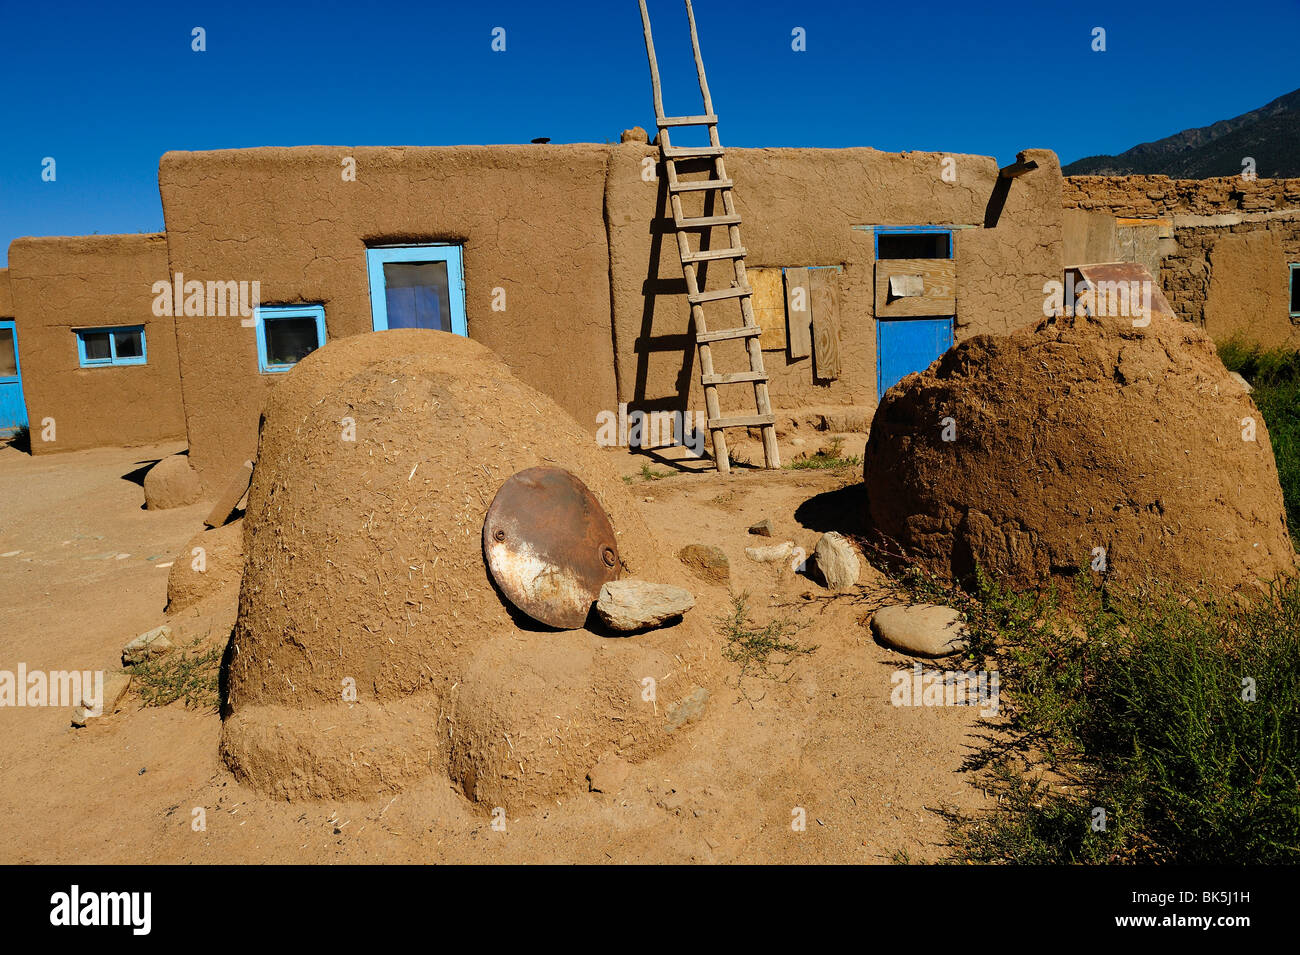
(13, 410)
(421, 286)
(905, 345)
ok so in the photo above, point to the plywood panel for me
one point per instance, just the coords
(799, 312)
(769, 307)
(938, 278)
(824, 292)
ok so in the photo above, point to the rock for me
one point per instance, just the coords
(771, 552)
(147, 646)
(1241, 381)
(171, 483)
(634, 135)
(115, 685)
(763, 528)
(686, 710)
(609, 774)
(637, 604)
(837, 561)
(922, 630)
(706, 561)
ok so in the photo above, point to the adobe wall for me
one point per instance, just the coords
(1224, 263)
(799, 208)
(530, 218)
(1149, 197)
(58, 284)
(6, 297)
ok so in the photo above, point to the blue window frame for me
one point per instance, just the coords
(939, 236)
(111, 345)
(417, 286)
(1295, 289)
(286, 334)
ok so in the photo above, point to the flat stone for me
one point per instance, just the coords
(763, 528)
(1236, 376)
(637, 604)
(609, 774)
(706, 561)
(837, 562)
(686, 710)
(921, 630)
(771, 552)
(148, 645)
(115, 686)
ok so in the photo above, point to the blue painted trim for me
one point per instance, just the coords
(910, 230)
(112, 359)
(433, 252)
(274, 312)
(1295, 271)
(15, 380)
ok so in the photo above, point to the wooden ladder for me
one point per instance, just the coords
(739, 291)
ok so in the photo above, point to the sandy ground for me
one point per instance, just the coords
(88, 575)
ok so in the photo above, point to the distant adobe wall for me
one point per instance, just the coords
(530, 218)
(59, 284)
(1150, 197)
(814, 207)
(1221, 247)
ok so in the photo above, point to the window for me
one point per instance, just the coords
(1295, 289)
(286, 334)
(417, 286)
(913, 242)
(110, 346)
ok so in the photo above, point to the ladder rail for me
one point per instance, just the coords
(654, 64)
(693, 261)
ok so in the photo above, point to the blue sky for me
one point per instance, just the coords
(106, 88)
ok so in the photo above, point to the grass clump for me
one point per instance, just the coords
(764, 652)
(189, 675)
(828, 457)
(1180, 720)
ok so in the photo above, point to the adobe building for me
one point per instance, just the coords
(554, 256)
(561, 259)
(99, 368)
(1227, 251)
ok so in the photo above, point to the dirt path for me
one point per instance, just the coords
(823, 738)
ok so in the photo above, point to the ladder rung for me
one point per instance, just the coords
(718, 295)
(708, 119)
(691, 152)
(722, 335)
(705, 222)
(734, 378)
(708, 255)
(699, 185)
(742, 421)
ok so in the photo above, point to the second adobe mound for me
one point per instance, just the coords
(1080, 442)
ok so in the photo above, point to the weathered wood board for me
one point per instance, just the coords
(938, 278)
(824, 293)
(798, 307)
(769, 307)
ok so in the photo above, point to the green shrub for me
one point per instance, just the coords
(1137, 706)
